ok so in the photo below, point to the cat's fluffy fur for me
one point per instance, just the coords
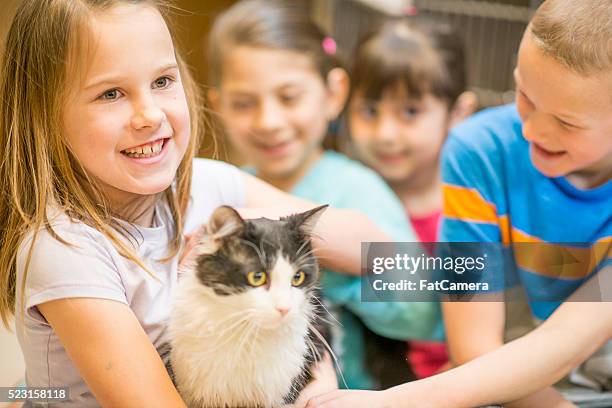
(224, 351)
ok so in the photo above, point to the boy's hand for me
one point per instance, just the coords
(353, 399)
(546, 397)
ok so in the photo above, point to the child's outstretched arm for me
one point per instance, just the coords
(338, 234)
(112, 352)
(511, 372)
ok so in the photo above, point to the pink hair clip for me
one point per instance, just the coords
(411, 11)
(329, 46)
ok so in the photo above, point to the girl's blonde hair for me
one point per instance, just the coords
(37, 167)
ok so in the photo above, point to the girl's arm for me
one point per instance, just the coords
(112, 352)
(509, 373)
(338, 234)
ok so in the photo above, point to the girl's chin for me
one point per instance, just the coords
(395, 175)
(150, 188)
(279, 169)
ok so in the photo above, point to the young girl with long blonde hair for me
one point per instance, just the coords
(99, 127)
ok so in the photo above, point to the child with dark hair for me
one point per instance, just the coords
(409, 81)
(277, 84)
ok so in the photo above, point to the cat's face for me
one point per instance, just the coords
(263, 268)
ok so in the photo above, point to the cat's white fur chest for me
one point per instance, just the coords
(217, 360)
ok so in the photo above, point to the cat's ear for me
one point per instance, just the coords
(225, 222)
(307, 221)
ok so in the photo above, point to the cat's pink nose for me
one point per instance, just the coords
(283, 310)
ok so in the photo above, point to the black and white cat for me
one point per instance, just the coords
(245, 330)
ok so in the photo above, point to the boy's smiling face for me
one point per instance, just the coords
(567, 117)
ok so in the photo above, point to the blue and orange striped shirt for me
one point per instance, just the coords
(493, 193)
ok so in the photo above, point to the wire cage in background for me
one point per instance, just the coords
(492, 31)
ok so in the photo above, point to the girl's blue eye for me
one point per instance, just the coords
(162, 82)
(110, 95)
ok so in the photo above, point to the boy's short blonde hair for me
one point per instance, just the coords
(576, 33)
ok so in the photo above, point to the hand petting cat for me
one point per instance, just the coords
(354, 399)
(191, 239)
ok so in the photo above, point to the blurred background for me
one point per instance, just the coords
(492, 30)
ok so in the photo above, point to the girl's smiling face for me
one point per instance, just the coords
(276, 108)
(398, 136)
(127, 119)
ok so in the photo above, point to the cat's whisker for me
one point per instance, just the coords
(229, 334)
(294, 389)
(327, 311)
(326, 321)
(304, 245)
(259, 253)
(304, 265)
(312, 251)
(254, 342)
(245, 335)
(231, 327)
(306, 255)
(313, 349)
(265, 257)
(245, 313)
(329, 349)
(319, 257)
(246, 316)
(313, 234)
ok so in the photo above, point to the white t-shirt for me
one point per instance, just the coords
(95, 269)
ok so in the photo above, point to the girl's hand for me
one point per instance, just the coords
(353, 399)
(187, 254)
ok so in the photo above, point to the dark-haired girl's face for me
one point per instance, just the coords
(276, 109)
(399, 136)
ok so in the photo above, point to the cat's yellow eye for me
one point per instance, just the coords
(256, 278)
(298, 278)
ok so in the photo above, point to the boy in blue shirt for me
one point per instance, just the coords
(538, 172)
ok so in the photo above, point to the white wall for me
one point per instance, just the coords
(12, 368)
